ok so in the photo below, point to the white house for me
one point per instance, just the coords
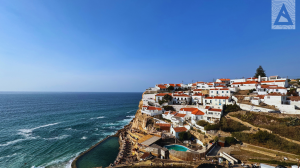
(197, 98)
(175, 131)
(192, 113)
(245, 85)
(176, 86)
(220, 92)
(169, 114)
(215, 84)
(277, 89)
(152, 111)
(275, 99)
(216, 100)
(252, 79)
(204, 85)
(280, 83)
(160, 96)
(237, 80)
(294, 100)
(161, 87)
(222, 80)
(181, 99)
(212, 114)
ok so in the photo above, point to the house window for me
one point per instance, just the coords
(227, 92)
(222, 91)
(211, 91)
(223, 100)
(217, 92)
(276, 90)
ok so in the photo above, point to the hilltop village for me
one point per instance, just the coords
(227, 122)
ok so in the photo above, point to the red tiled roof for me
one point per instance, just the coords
(261, 96)
(181, 95)
(250, 82)
(237, 83)
(173, 112)
(214, 109)
(210, 84)
(272, 87)
(197, 90)
(180, 115)
(267, 86)
(198, 94)
(162, 94)
(224, 79)
(180, 129)
(194, 111)
(188, 109)
(207, 107)
(294, 98)
(275, 94)
(194, 84)
(198, 112)
(273, 81)
(153, 108)
(220, 89)
(217, 97)
(162, 86)
(166, 113)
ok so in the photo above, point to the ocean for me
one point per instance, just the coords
(50, 129)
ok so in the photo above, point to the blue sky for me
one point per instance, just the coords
(130, 45)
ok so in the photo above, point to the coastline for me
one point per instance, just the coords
(74, 162)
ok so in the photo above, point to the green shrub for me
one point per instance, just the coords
(184, 136)
(231, 108)
(212, 127)
(169, 108)
(202, 123)
(230, 140)
(228, 125)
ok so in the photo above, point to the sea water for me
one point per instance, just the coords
(51, 129)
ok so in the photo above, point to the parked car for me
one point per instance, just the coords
(256, 110)
(274, 112)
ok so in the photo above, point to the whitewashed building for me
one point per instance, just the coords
(275, 99)
(223, 80)
(216, 100)
(212, 115)
(175, 131)
(220, 92)
(197, 98)
(152, 111)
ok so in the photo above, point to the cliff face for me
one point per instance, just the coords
(140, 120)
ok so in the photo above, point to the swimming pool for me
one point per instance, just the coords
(177, 148)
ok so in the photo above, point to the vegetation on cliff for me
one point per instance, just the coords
(287, 127)
(268, 140)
